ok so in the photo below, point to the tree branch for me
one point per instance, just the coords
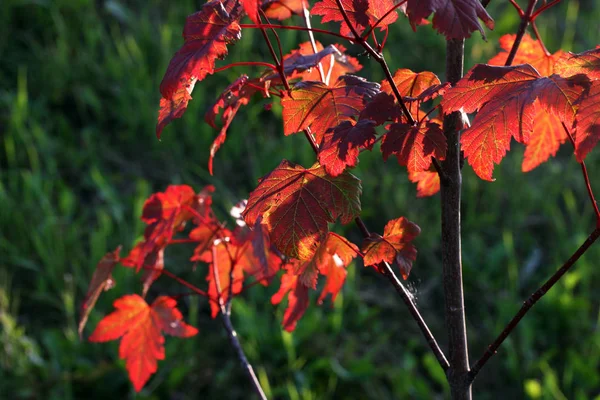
(530, 302)
(525, 19)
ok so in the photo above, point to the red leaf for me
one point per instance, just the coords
(299, 61)
(546, 138)
(395, 245)
(505, 97)
(141, 327)
(173, 107)
(341, 145)
(588, 122)
(296, 204)
(456, 19)
(297, 299)
(587, 63)
(409, 83)
(224, 257)
(428, 182)
(206, 35)
(530, 52)
(148, 258)
(382, 108)
(414, 146)
(162, 206)
(251, 9)
(321, 107)
(282, 9)
(101, 280)
(361, 13)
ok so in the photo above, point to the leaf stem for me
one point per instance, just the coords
(306, 15)
(544, 8)
(586, 178)
(296, 28)
(525, 19)
(530, 302)
(376, 24)
(246, 63)
(539, 38)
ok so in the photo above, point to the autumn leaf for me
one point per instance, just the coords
(505, 98)
(394, 245)
(282, 9)
(414, 146)
(547, 136)
(101, 280)
(332, 259)
(223, 266)
(428, 182)
(587, 125)
(297, 203)
(141, 328)
(361, 13)
(320, 107)
(381, 108)
(297, 294)
(587, 63)
(297, 62)
(530, 52)
(207, 34)
(341, 145)
(251, 9)
(455, 19)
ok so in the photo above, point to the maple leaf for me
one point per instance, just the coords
(101, 280)
(455, 19)
(283, 9)
(530, 52)
(334, 65)
(140, 328)
(297, 294)
(321, 107)
(505, 98)
(297, 203)
(428, 182)
(587, 125)
(206, 34)
(298, 61)
(361, 13)
(587, 63)
(251, 9)
(547, 136)
(414, 146)
(395, 245)
(341, 145)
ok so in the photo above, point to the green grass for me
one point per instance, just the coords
(78, 156)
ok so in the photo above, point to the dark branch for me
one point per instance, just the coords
(530, 302)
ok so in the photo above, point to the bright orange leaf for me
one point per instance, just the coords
(428, 182)
(394, 245)
(547, 136)
(361, 13)
(587, 63)
(141, 328)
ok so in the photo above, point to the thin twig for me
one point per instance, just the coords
(295, 28)
(539, 38)
(544, 8)
(525, 19)
(530, 302)
(586, 178)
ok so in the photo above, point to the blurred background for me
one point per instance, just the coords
(78, 156)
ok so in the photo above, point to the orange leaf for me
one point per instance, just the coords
(297, 299)
(588, 122)
(140, 328)
(547, 136)
(361, 13)
(505, 98)
(282, 9)
(395, 245)
(297, 203)
(530, 52)
(428, 182)
(101, 280)
(587, 63)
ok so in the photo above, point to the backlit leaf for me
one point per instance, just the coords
(394, 245)
(297, 203)
(282, 9)
(140, 328)
(321, 107)
(414, 146)
(297, 299)
(361, 13)
(587, 63)
(428, 182)
(547, 136)
(587, 125)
